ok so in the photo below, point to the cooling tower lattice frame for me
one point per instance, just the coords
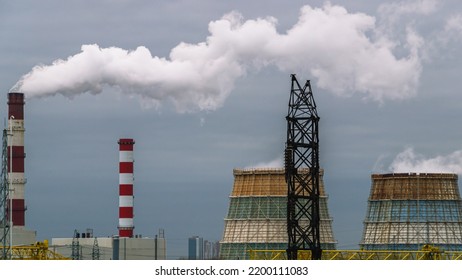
(257, 214)
(409, 210)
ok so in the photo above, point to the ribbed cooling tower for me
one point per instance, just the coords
(408, 210)
(257, 214)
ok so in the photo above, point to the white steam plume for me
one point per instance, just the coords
(330, 44)
(409, 161)
(275, 163)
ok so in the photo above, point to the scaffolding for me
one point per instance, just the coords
(407, 210)
(257, 214)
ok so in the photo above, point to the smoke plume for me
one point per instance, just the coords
(409, 161)
(343, 52)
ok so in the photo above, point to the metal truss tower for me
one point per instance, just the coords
(302, 151)
(4, 199)
(75, 248)
(95, 255)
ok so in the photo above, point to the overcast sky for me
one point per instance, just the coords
(203, 87)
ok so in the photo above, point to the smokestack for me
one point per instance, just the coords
(16, 156)
(126, 187)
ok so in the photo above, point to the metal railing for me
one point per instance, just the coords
(427, 253)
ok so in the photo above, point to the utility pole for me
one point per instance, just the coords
(302, 172)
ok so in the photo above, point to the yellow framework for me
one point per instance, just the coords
(427, 253)
(37, 251)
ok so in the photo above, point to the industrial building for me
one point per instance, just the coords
(126, 245)
(406, 211)
(274, 213)
(257, 214)
(86, 247)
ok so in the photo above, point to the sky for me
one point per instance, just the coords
(203, 87)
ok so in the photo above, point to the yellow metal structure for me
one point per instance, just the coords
(37, 251)
(427, 253)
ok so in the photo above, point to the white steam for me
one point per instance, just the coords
(393, 11)
(275, 163)
(344, 52)
(453, 27)
(409, 161)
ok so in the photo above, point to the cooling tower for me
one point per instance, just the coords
(408, 210)
(257, 214)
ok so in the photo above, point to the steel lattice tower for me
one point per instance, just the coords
(75, 248)
(302, 151)
(95, 255)
(4, 193)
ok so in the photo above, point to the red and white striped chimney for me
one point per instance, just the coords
(16, 151)
(126, 187)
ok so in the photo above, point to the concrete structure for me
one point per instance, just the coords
(110, 248)
(15, 166)
(126, 178)
(16, 150)
(406, 211)
(257, 215)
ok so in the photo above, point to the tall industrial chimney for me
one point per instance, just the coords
(126, 187)
(16, 156)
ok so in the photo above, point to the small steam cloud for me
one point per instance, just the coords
(275, 163)
(409, 161)
(343, 51)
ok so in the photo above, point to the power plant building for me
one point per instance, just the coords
(409, 210)
(257, 214)
(125, 245)
(111, 248)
